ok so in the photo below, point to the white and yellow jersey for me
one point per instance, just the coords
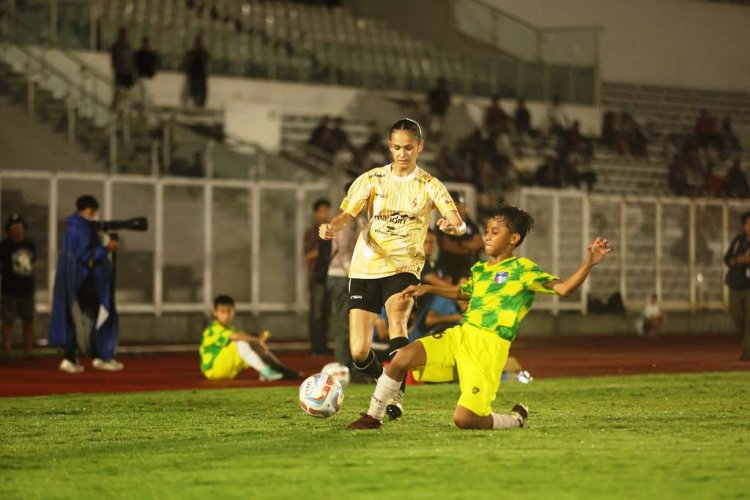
(398, 212)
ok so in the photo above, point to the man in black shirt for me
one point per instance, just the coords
(737, 259)
(459, 253)
(146, 63)
(17, 255)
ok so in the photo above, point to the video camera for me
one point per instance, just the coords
(134, 224)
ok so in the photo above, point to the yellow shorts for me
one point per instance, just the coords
(228, 364)
(478, 357)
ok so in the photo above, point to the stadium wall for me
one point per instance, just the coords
(674, 43)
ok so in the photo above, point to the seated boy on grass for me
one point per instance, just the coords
(225, 352)
(500, 293)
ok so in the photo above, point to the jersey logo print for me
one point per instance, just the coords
(501, 277)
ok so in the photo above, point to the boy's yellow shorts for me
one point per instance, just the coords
(477, 355)
(228, 364)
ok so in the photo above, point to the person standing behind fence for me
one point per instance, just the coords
(342, 249)
(147, 63)
(123, 67)
(196, 73)
(317, 251)
(17, 256)
(83, 302)
(737, 260)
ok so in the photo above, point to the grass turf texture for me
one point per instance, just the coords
(683, 436)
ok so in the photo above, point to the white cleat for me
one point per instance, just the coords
(111, 365)
(68, 366)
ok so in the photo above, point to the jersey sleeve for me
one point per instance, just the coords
(534, 278)
(441, 197)
(468, 287)
(358, 194)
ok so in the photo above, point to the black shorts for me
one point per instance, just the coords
(371, 294)
(13, 308)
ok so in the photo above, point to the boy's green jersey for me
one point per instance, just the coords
(502, 294)
(214, 339)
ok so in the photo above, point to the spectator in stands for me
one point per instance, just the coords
(736, 182)
(706, 131)
(437, 315)
(431, 274)
(458, 253)
(438, 102)
(522, 119)
(17, 256)
(731, 142)
(343, 159)
(714, 184)
(609, 131)
(557, 119)
(631, 138)
(496, 120)
(374, 152)
(450, 167)
(147, 64)
(340, 137)
(314, 251)
(323, 136)
(123, 67)
(737, 259)
(195, 65)
(83, 302)
(573, 146)
(549, 173)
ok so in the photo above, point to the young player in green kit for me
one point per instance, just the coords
(500, 293)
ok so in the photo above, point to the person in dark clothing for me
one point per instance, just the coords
(123, 67)
(83, 301)
(522, 118)
(737, 259)
(17, 255)
(317, 255)
(458, 253)
(196, 73)
(438, 101)
(736, 185)
(147, 64)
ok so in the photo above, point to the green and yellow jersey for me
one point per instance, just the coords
(502, 294)
(214, 339)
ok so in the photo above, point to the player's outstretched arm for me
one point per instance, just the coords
(452, 224)
(595, 254)
(326, 231)
(449, 292)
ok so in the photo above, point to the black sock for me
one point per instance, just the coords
(370, 365)
(394, 345)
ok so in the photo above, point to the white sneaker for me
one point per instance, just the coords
(268, 374)
(111, 365)
(68, 366)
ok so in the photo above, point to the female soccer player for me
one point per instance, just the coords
(389, 254)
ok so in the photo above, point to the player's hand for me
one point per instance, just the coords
(113, 245)
(326, 231)
(598, 249)
(413, 291)
(445, 226)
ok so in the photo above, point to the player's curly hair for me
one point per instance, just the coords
(517, 219)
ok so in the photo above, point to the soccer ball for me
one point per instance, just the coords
(338, 371)
(321, 395)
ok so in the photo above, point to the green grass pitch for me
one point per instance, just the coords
(682, 436)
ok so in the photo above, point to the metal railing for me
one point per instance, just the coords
(547, 61)
(206, 236)
(672, 247)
